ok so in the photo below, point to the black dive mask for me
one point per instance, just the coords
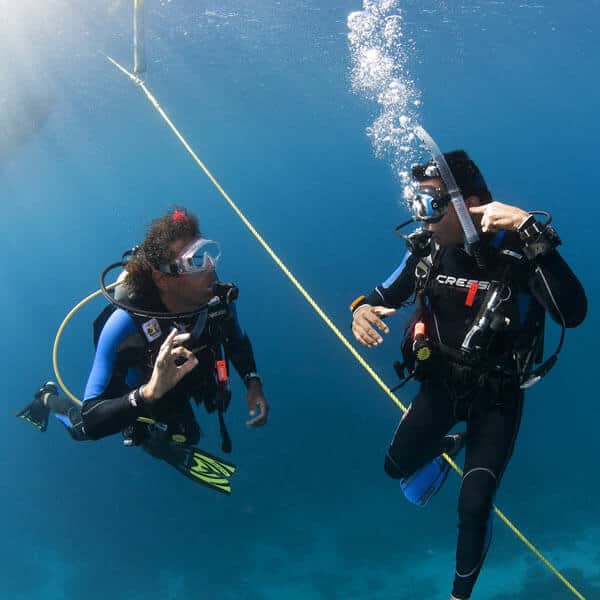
(429, 204)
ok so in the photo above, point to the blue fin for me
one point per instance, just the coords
(64, 420)
(426, 482)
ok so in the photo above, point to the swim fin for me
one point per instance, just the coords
(201, 467)
(425, 483)
(37, 411)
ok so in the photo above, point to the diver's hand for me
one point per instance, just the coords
(172, 364)
(496, 216)
(366, 318)
(256, 399)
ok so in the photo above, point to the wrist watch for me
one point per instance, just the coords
(250, 376)
(135, 398)
(530, 229)
(538, 239)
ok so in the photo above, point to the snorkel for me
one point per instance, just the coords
(462, 212)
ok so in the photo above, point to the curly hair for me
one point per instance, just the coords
(177, 224)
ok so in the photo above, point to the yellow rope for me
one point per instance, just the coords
(318, 309)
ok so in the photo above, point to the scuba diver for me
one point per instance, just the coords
(481, 275)
(166, 338)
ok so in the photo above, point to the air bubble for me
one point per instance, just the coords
(379, 57)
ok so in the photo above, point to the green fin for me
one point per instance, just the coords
(36, 414)
(202, 467)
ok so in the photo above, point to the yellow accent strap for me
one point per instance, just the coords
(318, 310)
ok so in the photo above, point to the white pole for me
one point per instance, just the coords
(139, 51)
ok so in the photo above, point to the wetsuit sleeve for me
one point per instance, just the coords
(102, 413)
(238, 347)
(558, 290)
(106, 416)
(397, 288)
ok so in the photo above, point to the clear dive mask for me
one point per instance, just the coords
(428, 204)
(201, 255)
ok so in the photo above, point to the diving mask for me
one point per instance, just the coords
(201, 255)
(428, 203)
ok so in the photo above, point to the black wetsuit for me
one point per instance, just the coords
(483, 389)
(126, 351)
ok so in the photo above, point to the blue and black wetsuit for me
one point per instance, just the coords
(487, 396)
(126, 351)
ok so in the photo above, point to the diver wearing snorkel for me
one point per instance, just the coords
(482, 275)
(166, 338)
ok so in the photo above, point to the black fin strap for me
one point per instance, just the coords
(226, 445)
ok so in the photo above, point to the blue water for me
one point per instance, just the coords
(262, 92)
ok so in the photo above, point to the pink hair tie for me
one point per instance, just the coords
(180, 216)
